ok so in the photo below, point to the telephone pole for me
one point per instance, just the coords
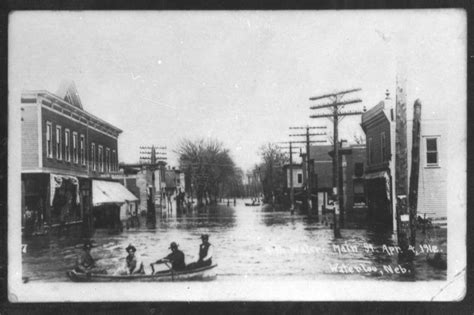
(335, 105)
(151, 160)
(309, 177)
(292, 190)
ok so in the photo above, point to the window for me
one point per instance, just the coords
(93, 161)
(358, 169)
(383, 147)
(49, 139)
(300, 178)
(101, 158)
(114, 160)
(67, 148)
(82, 150)
(59, 144)
(107, 160)
(74, 148)
(370, 151)
(432, 151)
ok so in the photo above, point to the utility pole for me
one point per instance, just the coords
(309, 176)
(415, 169)
(292, 190)
(335, 105)
(151, 162)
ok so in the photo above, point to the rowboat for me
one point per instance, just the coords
(252, 204)
(203, 274)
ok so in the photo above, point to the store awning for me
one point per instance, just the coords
(104, 192)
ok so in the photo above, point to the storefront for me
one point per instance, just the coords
(108, 198)
(51, 201)
(379, 196)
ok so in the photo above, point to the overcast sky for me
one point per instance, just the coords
(240, 77)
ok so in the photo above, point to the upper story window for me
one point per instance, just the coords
(383, 147)
(107, 160)
(75, 156)
(59, 144)
(370, 149)
(93, 159)
(67, 146)
(82, 149)
(358, 169)
(432, 157)
(114, 160)
(49, 139)
(100, 155)
(300, 178)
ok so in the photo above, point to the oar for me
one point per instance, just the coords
(172, 271)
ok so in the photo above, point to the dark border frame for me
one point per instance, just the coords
(464, 306)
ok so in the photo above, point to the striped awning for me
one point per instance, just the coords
(104, 192)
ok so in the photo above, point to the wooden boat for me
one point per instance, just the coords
(203, 273)
(252, 204)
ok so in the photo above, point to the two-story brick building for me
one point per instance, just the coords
(378, 124)
(66, 151)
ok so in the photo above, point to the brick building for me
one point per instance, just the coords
(378, 124)
(66, 155)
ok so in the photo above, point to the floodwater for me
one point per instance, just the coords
(248, 242)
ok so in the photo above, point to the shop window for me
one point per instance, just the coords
(59, 144)
(432, 158)
(75, 157)
(359, 191)
(65, 206)
(49, 139)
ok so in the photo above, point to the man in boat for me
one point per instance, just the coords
(132, 265)
(176, 258)
(85, 263)
(205, 254)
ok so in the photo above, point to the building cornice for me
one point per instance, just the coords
(50, 100)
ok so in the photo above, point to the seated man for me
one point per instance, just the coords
(85, 263)
(205, 253)
(176, 258)
(132, 264)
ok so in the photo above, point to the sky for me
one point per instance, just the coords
(240, 77)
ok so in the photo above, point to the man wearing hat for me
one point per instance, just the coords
(85, 263)
(132, 264)
(176, 258)
(205, 253)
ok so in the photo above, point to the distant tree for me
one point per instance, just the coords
(271, 170)
(209, 166)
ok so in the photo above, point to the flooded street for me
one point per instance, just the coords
(248, 242)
